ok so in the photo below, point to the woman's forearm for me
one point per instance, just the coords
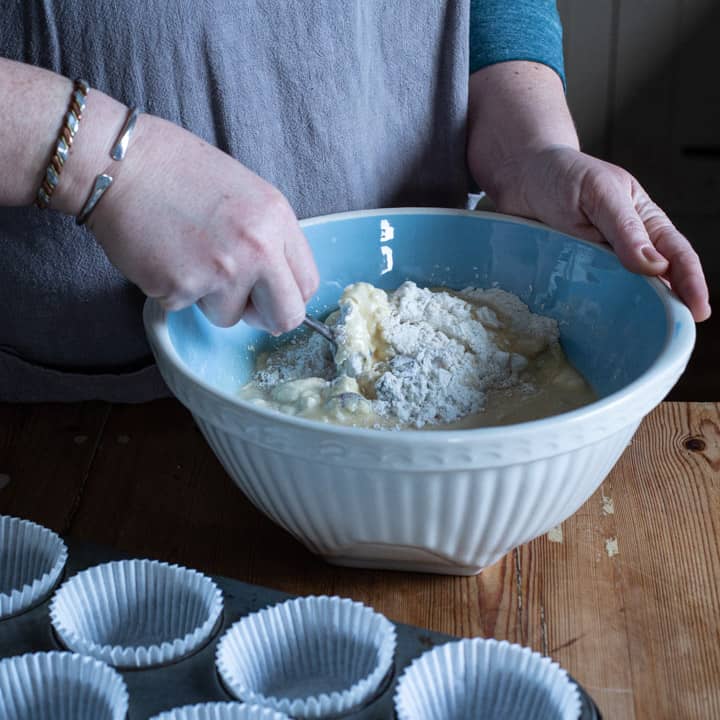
(33, 104)
(514, 107)
(523, 151)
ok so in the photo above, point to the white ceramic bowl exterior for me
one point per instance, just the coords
(454, 509)
(447, 502)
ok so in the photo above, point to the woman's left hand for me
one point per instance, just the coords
(595, 200)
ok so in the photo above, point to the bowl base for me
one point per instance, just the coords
(379, 556)
(374, 564)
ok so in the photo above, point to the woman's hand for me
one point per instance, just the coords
(523, 151)
(182, 220)
(597, 201)
(188, 223)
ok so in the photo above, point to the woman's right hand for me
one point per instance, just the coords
(188, 223)
(182, 220)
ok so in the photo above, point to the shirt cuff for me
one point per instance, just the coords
(501, 31)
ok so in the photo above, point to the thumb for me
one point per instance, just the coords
(609, 205)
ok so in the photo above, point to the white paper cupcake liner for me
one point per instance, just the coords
(221, 711)
(31, 561)
(61, 686)
(310, 657)
(485, 678)
(136, 613)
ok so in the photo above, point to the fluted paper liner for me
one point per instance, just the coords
(310, 657)
(31, 561)
(485, 678)
(136, 613)
(61, 686)
(221, 711)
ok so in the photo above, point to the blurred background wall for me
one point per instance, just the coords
(644, 87)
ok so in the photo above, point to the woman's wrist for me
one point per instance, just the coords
(33, 107)
(33, 103)
(138, 166)
(516, 110)
(102, 121)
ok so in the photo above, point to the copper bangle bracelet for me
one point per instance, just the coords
(64, 143)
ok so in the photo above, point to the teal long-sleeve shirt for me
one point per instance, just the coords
(502, 30)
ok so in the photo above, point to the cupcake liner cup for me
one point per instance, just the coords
(32, 559)
(485, 678)
(221, 711)
(62, 686)
(136, 613)
(311, 657)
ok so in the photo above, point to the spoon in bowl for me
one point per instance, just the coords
(322, 329)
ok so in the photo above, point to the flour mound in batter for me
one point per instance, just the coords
(414, 358)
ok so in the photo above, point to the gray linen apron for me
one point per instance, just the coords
(342, 104)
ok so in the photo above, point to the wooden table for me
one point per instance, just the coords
(639, 629)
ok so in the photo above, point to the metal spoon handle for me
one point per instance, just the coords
(320, 328)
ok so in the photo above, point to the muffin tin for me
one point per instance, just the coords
(309, 657)
(506, 680)
(136, 613)
(221, 711)
(32, 559)
(194, 678)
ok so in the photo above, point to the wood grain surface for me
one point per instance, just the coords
(639, 627)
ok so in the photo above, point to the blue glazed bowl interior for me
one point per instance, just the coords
(613, 324)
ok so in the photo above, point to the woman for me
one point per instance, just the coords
(319, 107)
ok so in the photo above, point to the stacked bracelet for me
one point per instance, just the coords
(64, 143)
(78, 101)
(104, 181)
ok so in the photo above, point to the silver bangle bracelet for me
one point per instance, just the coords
(121, 146)
(104, 181)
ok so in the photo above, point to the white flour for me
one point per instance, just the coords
(410, 358)
(442, 358)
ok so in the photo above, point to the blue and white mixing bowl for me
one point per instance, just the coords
(438, 501)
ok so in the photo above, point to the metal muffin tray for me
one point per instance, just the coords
(194, 679)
